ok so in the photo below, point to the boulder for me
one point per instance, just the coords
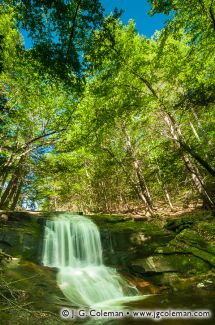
(178, 225)
(179, 263)
(200, 242)
(22, 235)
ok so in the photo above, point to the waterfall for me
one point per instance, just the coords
(73, 245)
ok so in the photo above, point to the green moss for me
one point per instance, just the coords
(199, 242)
(22, 239)
(118, 223)
(33, 286)
(206, 230)
(203, 240)
(180, 263)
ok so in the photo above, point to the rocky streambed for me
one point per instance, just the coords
(180, 247)
(173, 259)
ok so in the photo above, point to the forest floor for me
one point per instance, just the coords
(163, 213)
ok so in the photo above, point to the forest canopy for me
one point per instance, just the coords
(96, 117)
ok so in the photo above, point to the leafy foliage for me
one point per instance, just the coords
(130, 124)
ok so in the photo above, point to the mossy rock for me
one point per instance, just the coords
(24, 240)
(179, 263)
(179, 224)
(201, 238)
(199, 242)
(120, 223)
(35, 289)
(190, 220)
(207, 231)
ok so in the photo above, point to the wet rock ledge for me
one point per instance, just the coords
(21, 233)
(183, 247)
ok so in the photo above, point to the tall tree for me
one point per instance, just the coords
(59, 30)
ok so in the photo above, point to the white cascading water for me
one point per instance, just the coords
(73, 245)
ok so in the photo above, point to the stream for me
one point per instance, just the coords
(73, 275)
(72, 244)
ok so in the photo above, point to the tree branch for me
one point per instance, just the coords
(42, 137)
(212, 14)
(202, 162)
(72, 33)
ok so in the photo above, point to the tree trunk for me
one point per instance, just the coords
(9, 192)
(13, 185)
(204, 134)
(6, 171)
(191, 167)
(194, 132)
(166, 193)
(140, 186)
(16, 196)
(172, 126)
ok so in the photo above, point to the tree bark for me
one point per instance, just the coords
(13, 185)
(141, 186)
(136, 185)
(204, 134)
(163, 110)
(166, 193)
(191, 167)
(194, 132)
(212, 14)
(72, 33)
(16, 196)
